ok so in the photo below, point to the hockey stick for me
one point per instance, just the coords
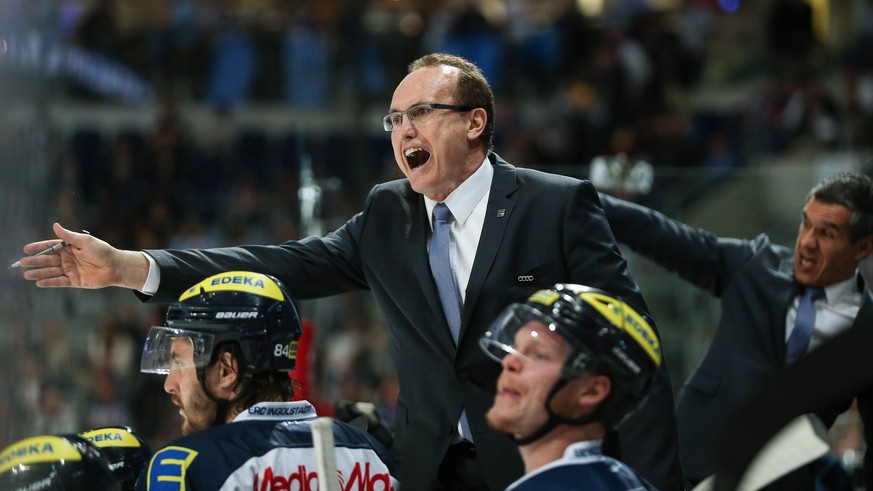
(325, 455)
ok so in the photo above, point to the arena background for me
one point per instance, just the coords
(177, 123)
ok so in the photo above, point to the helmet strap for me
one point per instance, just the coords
(555, 419)
(223, 406)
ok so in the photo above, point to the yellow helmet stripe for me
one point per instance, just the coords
(111, 437)
(627, 319)
(38, 449)
(237, 281)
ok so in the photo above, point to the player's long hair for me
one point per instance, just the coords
(269, 386)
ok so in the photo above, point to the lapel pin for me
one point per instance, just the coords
(501, 212)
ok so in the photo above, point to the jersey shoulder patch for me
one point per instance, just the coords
(168, 468)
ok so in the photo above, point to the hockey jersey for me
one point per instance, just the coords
(582, 468)
(268, 447)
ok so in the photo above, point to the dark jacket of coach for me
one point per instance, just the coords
(513, 231)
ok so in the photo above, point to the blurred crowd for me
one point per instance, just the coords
(631, 80)
(571, 85)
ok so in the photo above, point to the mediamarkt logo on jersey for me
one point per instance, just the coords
(360, 479)
(296, 469)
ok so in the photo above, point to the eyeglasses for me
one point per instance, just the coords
(418, 112)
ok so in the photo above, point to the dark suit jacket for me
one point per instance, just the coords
(755, 281)
(541, 226)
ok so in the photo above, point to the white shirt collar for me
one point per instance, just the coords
(464, 198)
(837, 290)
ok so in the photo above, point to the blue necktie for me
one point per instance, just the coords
(441, 267)
(804, 325)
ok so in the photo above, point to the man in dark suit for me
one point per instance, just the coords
(760, 285)
(512, 231)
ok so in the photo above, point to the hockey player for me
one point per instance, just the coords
(127, 451)
(576, 363)
(226, 348)
(55, 463)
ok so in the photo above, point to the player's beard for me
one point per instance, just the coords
(199, 413)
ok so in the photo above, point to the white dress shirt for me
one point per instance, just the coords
(467, 204)
(834, 313)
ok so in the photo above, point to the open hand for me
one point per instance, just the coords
(86, 262)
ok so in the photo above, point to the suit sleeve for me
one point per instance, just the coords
(313, 267)
(592, 254)
(648, 440)
(696, 255)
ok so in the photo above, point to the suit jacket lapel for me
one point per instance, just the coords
(497, 215)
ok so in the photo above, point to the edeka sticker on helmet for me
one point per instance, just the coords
(168, 467)
(111, 437)
(237, 281)
(627, 319)
(38, 449)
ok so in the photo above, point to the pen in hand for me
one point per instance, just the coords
(48, 250)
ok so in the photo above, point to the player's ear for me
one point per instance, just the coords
(863, 247)
(595, 390)
(227, 373)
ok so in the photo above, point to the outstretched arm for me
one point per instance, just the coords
(696, 255)
(87, 262)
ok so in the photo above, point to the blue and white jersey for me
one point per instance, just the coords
(583, 468)
(268, 448)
